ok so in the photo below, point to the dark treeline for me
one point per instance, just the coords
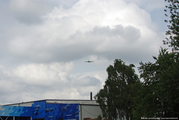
(155, 93)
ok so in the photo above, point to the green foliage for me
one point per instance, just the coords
(173, 24)
(116, 98)
(161, 86)
(158, 93)
(137, 107)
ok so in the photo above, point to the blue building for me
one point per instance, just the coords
(51, 109)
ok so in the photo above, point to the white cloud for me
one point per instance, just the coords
(89, 81)
(65, 94)
(44, 49)
(42, 81)
(41, 74)
(85, 29)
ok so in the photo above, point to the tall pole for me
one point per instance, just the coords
(91, 96)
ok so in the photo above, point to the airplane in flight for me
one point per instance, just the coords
(89, 61)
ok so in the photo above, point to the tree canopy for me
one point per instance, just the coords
(115, 98)
(156, 93)
(172, 11)
(162, 86)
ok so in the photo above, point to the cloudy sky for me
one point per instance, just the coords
(44, 43)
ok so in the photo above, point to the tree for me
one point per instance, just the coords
(161, 85)
(173, 27)
(138, 102)
(161, 78)
(116, 98)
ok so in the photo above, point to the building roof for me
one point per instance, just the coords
(29, 103)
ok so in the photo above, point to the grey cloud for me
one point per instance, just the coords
(86, 84)
(53, 54)
(128, 33)
(8, 87)
(86, 81)
(29, 11)
(65, 3)
(28, 18)
(26, 39)
(131, 55)
(149, 5)
(83, 44)
(14, 89)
